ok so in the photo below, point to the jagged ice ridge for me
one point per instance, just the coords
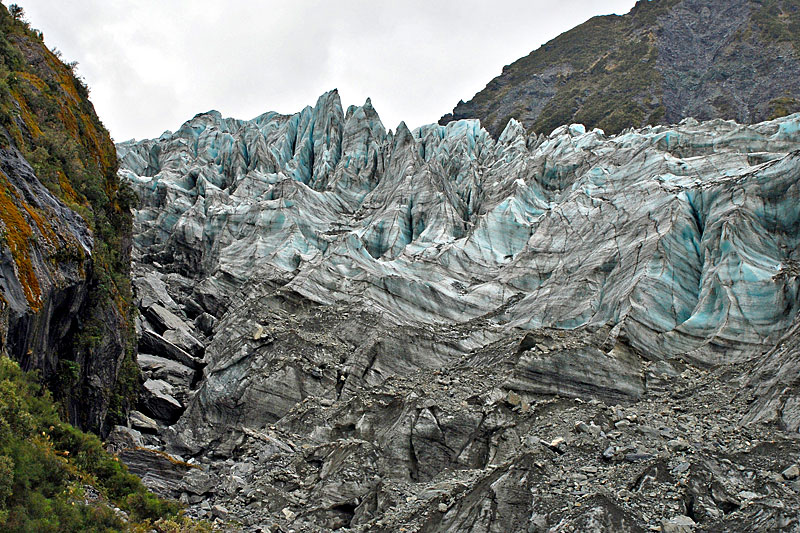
(682, 238)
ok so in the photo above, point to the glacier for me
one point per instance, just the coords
(681, 238)
(348, 328)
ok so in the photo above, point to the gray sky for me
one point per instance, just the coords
(153, 64)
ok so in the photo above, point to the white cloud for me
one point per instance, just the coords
(152, 64)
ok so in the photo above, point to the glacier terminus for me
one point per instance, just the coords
(303, 279)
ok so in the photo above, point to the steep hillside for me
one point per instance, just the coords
(662, 62)
(65, 231)
(65, 305)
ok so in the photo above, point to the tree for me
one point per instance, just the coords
(16, 11)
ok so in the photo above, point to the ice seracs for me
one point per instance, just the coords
(678, 235)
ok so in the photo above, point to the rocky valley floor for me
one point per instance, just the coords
(457, 449)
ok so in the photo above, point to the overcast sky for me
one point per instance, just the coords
(153, 64)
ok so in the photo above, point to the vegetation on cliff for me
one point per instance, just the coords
(45, 113)
(54, 477)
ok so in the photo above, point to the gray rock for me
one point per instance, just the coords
(638, 457)
(582, 427)
(186, 341)
(649, 431)
(678, 445)
(151, 290)
(153, 343)
(158, 401)
(160, 472)
(205, 323)
(678, 524)
(583, 372)
(199, 482)
(142, 422)
(682, 467)
(122, 438)
(793, 472)
(163, 318)
(167, 370)
(538, 524)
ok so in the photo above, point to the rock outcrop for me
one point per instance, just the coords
(662, 62)
(345, 327)
(43, 286)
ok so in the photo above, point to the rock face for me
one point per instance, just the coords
(346, 327)
(64, 235)
(664, 61)
(43, 287)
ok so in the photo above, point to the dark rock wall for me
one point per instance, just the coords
(42, 287)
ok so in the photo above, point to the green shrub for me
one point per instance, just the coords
(45, 463)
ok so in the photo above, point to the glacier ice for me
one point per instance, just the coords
(682, 238)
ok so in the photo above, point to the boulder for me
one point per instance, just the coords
(153, 343)
(157, 400)
(168, 370)
(186, 341)
(142, 422)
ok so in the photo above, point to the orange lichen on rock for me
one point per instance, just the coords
(17, 235)
(44, 227)
(33, 79)
(27, 116)
(69, 120)
(66, 188)
(105, 157)
(64, 77)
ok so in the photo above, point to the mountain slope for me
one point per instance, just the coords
(65, 304)
(662, 62)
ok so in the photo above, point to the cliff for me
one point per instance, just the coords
(65, 233)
